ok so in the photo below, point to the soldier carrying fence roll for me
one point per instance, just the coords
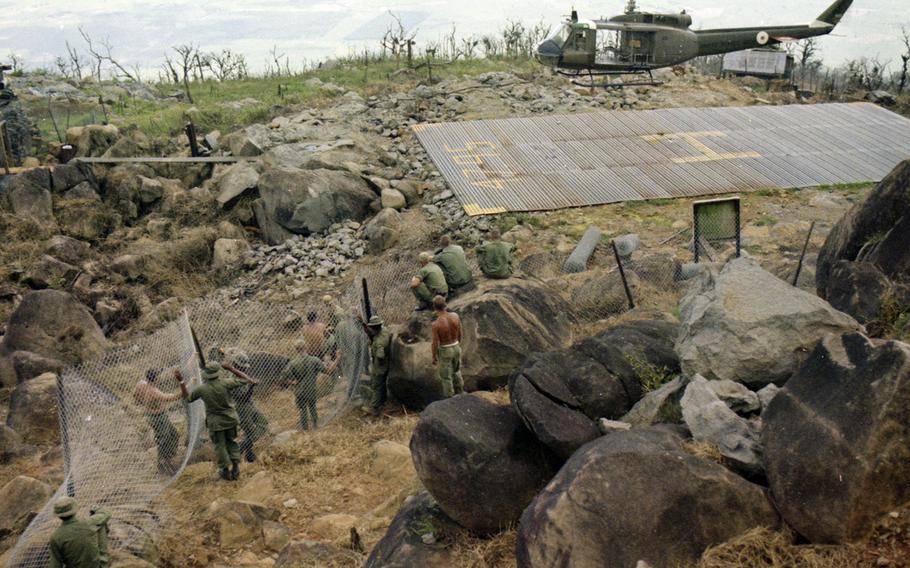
(220, 414)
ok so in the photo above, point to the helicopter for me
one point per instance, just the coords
(636, 43)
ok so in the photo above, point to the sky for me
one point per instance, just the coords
(311, 30)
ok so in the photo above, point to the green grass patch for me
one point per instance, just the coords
(510, 220)
(767, 221)
(651, 376)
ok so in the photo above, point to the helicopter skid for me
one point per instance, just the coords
(590, 84)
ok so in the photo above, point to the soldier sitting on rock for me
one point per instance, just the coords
(429, 282)
(495, 257)
(454, 264)
(79, 543)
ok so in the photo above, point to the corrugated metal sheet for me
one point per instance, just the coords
(552, 162)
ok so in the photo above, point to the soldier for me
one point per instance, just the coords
(253, 423)
(79, 543)
(446, 348)
(303, 372)
(429, 282)
(495, 257)
(155, 404)
(380, 345)
(220, 414)
(451, 259)
(315, 333)
(346, 343)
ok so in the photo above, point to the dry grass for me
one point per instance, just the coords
(767, 548)
(179, 267)
(704, 450)
(494, 552)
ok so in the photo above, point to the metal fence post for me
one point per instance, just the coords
(802, 256)
(622, 274)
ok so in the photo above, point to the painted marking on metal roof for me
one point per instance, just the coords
(559, 161)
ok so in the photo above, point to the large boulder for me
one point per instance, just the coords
(10, 443)
(48, 272)
(29, 365)
(479, 461)
(412, 377)
(867, 225)
(746, 325)
(413, 535)
(33, 412)
(228, 253)
(502, 322)
(234, 181)
(67, 176)
(239, 523)
(20, 501)
(54, 325)
(637, 496)
(67, 249)
(835, 438)
(28, 199)
(561, 395)
(309, 201)
(383, 230)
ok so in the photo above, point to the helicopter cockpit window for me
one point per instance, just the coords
(560, 34)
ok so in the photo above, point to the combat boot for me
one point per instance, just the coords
(224, 474)
(235, 471)
(250, 455)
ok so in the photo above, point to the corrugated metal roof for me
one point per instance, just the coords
(553, 162)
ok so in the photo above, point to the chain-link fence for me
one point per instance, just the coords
(126, 434)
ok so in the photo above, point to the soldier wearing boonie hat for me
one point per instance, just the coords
(79, 543)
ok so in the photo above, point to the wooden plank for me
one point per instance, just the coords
(165, 160)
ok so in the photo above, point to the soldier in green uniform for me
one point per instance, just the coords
(495, 257)
(454, 264)
(79, 543)
(220, 414)
(253, 423)
(302, 373)
(429, 282)
(380, 346)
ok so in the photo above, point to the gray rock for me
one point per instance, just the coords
(234, 181)
(84, 190)
(767, 394)
(835, 438)
(394, 199)
(130, 266)
(710, 420)
(33, 410)
(611, 426)
(149, 190)
(738, 398)
(26, 199)
(54, 325)
(20, 500)
(251, 141)
(409, 541)
(479, 462)
(67, 249)
(382, 231)
(228, 253)
(10, 444)
(48, 272)
(748, 326)
(29, 365)
(634, 496)
(658, 406)
(310, 201)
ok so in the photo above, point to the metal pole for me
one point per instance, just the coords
(191, 134)
(64, 438)
(367, 308)
(622, 274)
(4, 148)
(799, 267)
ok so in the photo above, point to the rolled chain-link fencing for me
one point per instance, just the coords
(120, 453)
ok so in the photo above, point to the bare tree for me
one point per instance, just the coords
(97, 59)
(227, 65)
(276, 57)
(186, 59)
(101, 52)
(76, 61)
(15, 61)
(905, 59)
(397, 40)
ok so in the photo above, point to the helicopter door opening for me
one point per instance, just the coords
(608, 47)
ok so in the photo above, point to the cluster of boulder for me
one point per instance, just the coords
(652, 441)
